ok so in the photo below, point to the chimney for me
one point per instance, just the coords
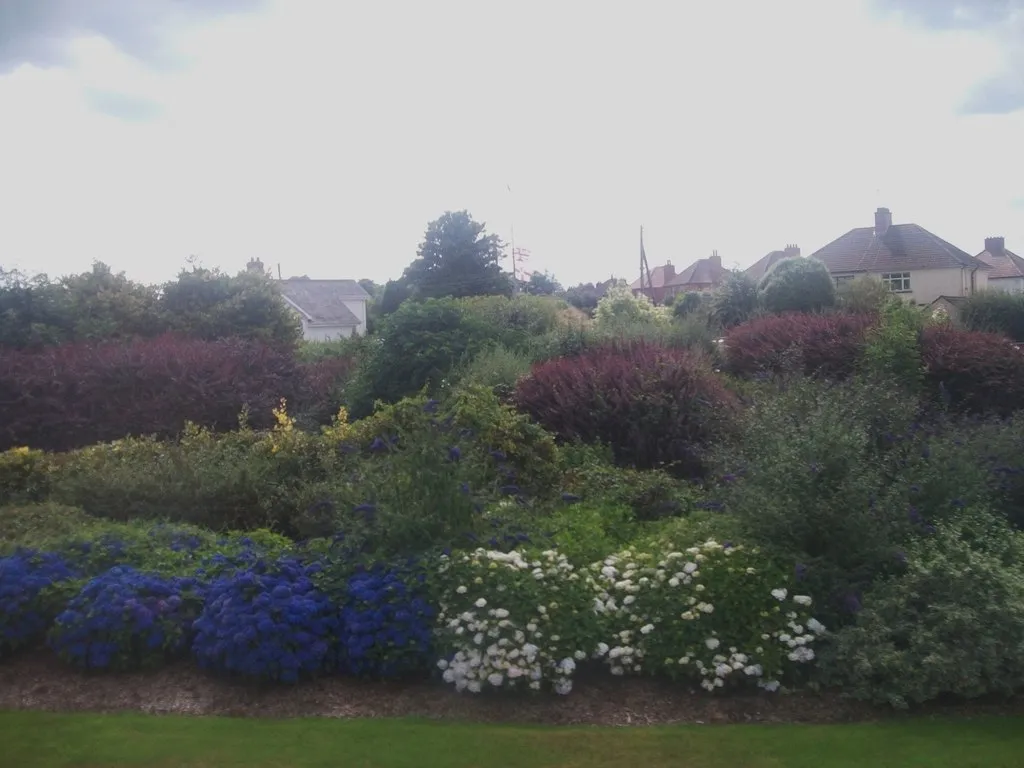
(255, 265)
(883, 220)
(670, 271)
(716, 259)
(995, 245)
(791, 252)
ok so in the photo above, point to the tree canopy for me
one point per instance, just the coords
(457, 258)
(797, 285)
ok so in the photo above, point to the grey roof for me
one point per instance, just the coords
(323, 301)
(902, 247)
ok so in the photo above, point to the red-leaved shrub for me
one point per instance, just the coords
(65, 397)
(828, 345)
(974, 371)
(655, 407)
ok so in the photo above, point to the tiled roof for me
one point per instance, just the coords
(660, 277)
(323, 301)
(901, 247)
(707, 271)
(1004, 264)
(760, 268)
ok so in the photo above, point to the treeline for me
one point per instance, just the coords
(101, 305)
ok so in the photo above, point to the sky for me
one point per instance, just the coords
(324, 135)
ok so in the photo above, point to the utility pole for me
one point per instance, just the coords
(646, 285)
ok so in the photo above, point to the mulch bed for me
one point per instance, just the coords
(36, 680)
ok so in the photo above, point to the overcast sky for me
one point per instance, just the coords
(325, 134)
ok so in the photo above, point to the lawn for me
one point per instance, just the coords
(42, 740)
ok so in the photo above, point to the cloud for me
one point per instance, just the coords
(1003, 20)
(123, 106)
(39, 32)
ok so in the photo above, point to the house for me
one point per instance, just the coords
(1007, 273)
(701, 276)
(766, 263)
(328, 309)
(910, 260)
(660, 276)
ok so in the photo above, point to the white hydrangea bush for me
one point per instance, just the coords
(512, 620)
(711, 613)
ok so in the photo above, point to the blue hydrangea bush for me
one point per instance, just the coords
(513, 620)
(387, 624)
(268, 622)
(33, 588)
(716, 614)
(127, 619)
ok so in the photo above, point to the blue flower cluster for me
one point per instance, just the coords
(386, 624)
(125, 619)
(268, 622)
(27, 599)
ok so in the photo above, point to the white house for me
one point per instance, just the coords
(328, 309)
(907, 258)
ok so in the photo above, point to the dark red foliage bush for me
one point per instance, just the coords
(655, 407)
(65, 397)
(974, 371)
(827, 345)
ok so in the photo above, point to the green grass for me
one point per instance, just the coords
(42, 740)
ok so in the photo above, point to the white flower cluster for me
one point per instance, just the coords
(494, 646)
(663, 605)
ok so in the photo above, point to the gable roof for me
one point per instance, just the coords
(660, 277)
(761, 267)
(899, 248)
(323, 301)
(1004, 263)
(707, 271)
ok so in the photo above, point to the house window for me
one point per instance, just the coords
(897, 282)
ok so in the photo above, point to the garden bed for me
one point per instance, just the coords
(38, 681)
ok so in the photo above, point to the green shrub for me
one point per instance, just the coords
(797, 285)
(221, 482)
(498, 368)
(29, 524)
(865, 295)
(23, 475)
(952, 623)
(687, 304)
(892, 350)
(808, 478)
(735, 301)
(620, 306)
(587, 472)
(995, 312)
(586, 532)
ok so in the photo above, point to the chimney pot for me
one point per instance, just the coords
(792, 251)
(254, 265)
(995, 245)
(883, 220)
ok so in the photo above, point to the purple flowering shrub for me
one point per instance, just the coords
(126, 619)
(33, 587)
(387, 624)
(268, 622)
